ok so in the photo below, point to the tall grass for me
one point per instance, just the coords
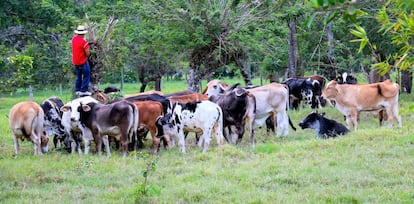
(371, 165)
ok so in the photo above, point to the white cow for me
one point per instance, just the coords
(77, 131)
(203, 118)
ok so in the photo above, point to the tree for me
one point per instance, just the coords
(211, 32)
(98, 48)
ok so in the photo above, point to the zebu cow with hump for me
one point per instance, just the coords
(216, 87)
(118, 119)
(26, 121)
(271, 100)
(234, 104)
(53, 120)
(203, 117)
(350, 100)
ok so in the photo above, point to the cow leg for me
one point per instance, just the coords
(392, 113)
(16, 144)
(36, 140)
(124, 144)
(155, 143)
(233, 135)
(105, 141)
(270, 124)
(282, 124)
(200, 138)
(380, 117)
(207, 138)
(251, 129)
(219, 135)
(181, 141)
(226, 136)
(88, 136)
(352, 120)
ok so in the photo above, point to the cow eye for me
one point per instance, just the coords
(215, 86)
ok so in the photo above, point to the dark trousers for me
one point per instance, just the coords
(83, 77)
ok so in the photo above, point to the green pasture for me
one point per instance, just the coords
(371, 165)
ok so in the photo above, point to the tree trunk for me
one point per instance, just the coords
(331, 55)
(406, 81)
(158, 84)
(193, 82)
(143, 86)
(244, 70)
(293, 50)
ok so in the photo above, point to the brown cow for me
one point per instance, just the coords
(26, 121)
(149, 111)
(352, 99)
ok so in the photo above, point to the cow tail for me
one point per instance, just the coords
(379, 89)
(219, 127)
(287, 108)
(135, 118)
(254, 102)
(291, 124)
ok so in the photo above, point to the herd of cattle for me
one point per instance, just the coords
(221, 110)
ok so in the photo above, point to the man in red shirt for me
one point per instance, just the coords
(80, 54)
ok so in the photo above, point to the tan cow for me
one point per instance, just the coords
(350, 100)
(26, 121)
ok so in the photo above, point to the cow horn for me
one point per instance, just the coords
(231, 88)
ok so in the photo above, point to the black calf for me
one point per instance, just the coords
(323, 127)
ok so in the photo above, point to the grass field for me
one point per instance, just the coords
(371, 165)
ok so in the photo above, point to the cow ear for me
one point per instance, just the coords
(158, 121)
(240, 92)
(86, 108)
(65, 108)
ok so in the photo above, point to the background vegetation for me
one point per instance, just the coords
(201, 40)
(371, 165)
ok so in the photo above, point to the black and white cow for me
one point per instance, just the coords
(53, 120)
(118, 119)
(234, 104)
(76, 131)
(203, 117)
(324, 127)
(302, 89)
(346, 78)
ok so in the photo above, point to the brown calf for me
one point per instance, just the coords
(149, 111)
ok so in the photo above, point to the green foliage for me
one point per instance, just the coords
(22, 76)
(145, 188)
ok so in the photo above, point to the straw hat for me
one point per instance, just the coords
(81, 30)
